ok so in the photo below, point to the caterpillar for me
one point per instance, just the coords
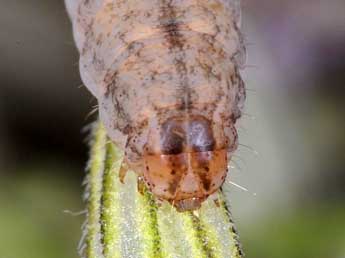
(166, 75)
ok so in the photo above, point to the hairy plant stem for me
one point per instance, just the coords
(121, 222)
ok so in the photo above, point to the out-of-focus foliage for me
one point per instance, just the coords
(313, 232)
(33, 223)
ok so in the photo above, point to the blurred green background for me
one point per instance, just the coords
(295, 75)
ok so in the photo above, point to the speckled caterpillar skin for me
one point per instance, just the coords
(166, 77)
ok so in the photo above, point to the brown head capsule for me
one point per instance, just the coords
(166, 77)
(184, 162)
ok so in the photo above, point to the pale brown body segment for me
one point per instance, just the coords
(166, 77)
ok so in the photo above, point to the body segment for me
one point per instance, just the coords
(166, 76)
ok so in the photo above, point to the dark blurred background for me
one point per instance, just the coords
(292, 157)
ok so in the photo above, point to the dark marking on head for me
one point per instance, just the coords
(191, 134)
(205, 180)
(200, 135)
(173, 186)
(172, 137)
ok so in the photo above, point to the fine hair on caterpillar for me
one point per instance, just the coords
(169, 91)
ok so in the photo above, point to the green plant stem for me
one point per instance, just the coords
(121, 222)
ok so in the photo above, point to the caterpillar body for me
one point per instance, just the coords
(166, 77)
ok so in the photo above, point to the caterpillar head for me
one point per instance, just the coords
(185, 160)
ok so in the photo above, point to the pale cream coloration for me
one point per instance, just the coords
(150, 62)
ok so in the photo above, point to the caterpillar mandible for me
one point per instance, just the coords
(166, 77)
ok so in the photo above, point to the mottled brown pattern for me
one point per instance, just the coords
(166, 76)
